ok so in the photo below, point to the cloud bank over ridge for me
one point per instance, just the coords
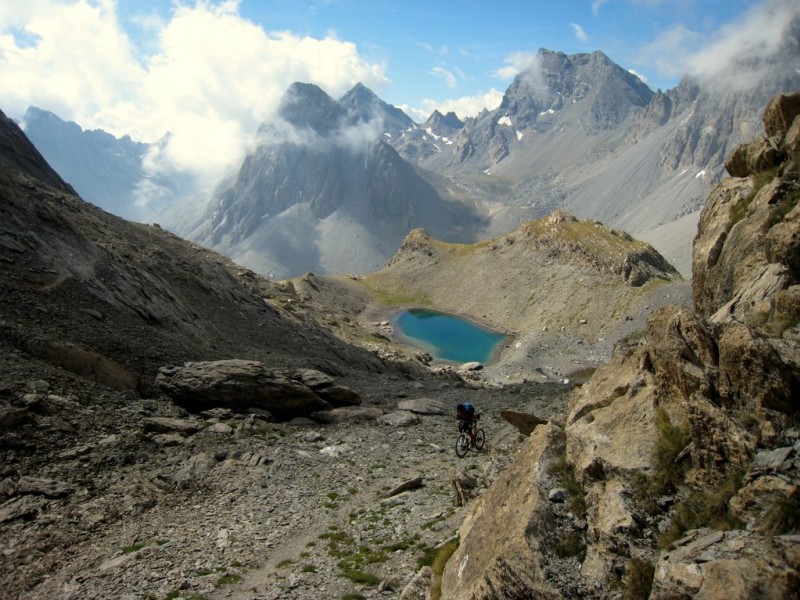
(210, 79)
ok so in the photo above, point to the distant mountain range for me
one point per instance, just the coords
(105, 170)
(331, 197)
(335, 185)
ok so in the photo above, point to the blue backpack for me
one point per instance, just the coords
(465, 411)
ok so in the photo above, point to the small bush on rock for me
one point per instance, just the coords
(638, 579)
(670, 464)
(564, 472)
(782, 518)
(570, 545)
(705, 508)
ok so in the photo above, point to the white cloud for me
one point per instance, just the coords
(211, 79)
(641, 77)
(580, 33)
(449, 78)
(70, 58)
(732, 55)
(515, 63)
(597, 5)
(466, 106)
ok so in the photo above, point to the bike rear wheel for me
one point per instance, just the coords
(480, 439)
(462, 445)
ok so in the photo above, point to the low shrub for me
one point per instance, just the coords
(669, 466)
(133, 548)
(570, 545)
(705, 508)
(638, 579)
(564, 472)
(782, 518)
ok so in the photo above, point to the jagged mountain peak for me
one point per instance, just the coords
(362, 104)
(555, 80)
(440, 123)
(359, 93)
(308, 105)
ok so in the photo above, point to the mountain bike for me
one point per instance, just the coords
(472, 438)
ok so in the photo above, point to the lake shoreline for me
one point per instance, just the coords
(448, 324)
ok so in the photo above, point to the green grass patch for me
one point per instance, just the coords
(397, 295)
(363, 556)
(403, 545)
(133, 548)
(763, 178)
(228, 579)
(739, 210)
(309, 569)
(285, 563)
(439, 562)
(427, 558)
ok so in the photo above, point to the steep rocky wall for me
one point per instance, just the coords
(715, 514)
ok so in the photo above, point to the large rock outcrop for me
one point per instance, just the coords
(684, 440)
(515, 517)
(245, 384)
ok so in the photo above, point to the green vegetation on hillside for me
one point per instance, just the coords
(394, 294)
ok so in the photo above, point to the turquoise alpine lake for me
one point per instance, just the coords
(447, 337)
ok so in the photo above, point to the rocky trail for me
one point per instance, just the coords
(137, 498)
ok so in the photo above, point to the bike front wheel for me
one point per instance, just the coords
(462, 445)
(480, 439)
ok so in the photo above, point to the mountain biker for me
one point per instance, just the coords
(465, 413)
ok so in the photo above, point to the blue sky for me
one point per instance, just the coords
(210, 71)
(434, 52)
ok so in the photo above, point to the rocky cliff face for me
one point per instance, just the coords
(679, 466)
